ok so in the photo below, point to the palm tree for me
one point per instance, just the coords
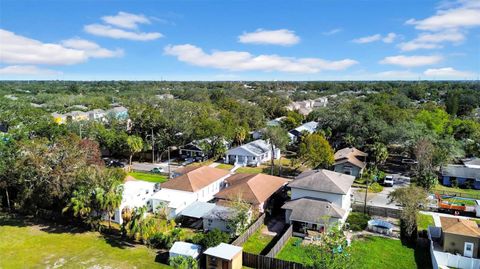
(141, 226)
(111, 200)
(135, 145)
(79, 204)
(240, 135)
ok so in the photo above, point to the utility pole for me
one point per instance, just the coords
(169, 174)
(366, 193)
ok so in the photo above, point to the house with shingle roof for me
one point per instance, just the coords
(460, 236)
(296, 134)
(318, 196)
(251, 154)
(190, 185)
(466, 174)
(350, 161)
(255, 189)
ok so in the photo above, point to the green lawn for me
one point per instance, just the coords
(371, 252)
(460, 201)
(27, 246)
(423, 221)
(150, 177)
(257, 242)
(469, 193)
(384, 253)
(293, 252)
(225, 166)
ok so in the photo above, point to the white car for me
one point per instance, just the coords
(388, 181)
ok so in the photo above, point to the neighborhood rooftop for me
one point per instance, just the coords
(311, 209)
(458, 170)
(224, 251)
(195, 179)
(459, 226)
(324, 181)
(253, 188)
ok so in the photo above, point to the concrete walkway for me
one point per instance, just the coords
(214, 164)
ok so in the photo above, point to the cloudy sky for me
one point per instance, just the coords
(240, 40)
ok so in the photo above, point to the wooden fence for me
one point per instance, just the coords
(264, 262)
(377, 210)
(244, 237)
(281, 242)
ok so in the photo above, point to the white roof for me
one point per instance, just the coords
(136, 193)
(309, 127)
(254, 148)
(175, 198)
(185, 249)
(224, 251)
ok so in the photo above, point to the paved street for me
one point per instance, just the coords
(149, 166)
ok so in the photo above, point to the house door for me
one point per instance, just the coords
(468, 250)
(224, 264)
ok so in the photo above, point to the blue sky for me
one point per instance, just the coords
(240, 40)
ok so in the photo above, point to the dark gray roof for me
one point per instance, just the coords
(219, 212)
(312, 210)
(197, 209)
(454, 170)
(323, 181)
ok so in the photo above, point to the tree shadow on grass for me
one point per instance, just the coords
(422, 254)
(162, 256)
(118, 241)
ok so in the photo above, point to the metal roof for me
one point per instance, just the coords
(224, 251)
(197, 209)
(185, 249)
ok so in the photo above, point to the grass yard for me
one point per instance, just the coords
(383, 253)
(469, 193)
(150, 177)
(257, 242)
(294, 252)
(423, 221)
(370, 252)
(25, 245)
(460, 201)
(225, 166)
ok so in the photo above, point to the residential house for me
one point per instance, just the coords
(118, 112)
(97, 114)
(190, 185)
(350, 161)
(196, 151)
(275, 122)
(466, 174)
(165, 96)
(461, 236)
(184, 249)
(136, 193)
(224, 256)
(252, 154)
(296, 134)
(307, 106)
(316, 196)
(256, 189)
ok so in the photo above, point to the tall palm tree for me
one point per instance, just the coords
(79, 204)
(111, 200)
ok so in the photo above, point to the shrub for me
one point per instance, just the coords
(182, 262)
(214, 238)
(375, 187)
(358, 221)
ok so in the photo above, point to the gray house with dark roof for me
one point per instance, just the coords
(350, 161)
(317, 196)
(466, 174)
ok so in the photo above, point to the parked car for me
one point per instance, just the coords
(409, 161)
(115, 163)
(388, 181)
(157, 170)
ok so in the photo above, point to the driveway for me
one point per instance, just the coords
(381, 198)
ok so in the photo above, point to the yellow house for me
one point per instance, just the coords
(224, 256)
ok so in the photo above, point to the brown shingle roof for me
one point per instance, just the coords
(350, 155)
(195, 178)
(460, 226)
(252, 188)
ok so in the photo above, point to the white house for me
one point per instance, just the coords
(136, 193)
(192, 184)
(309, 127)
(97, 114)
(317, 195)
(251, 154)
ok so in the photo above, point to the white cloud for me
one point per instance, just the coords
(16, 49)
(333, 31)
(389, 38)
(91, 49)
(26, 70)
(432, 40)
(448, 72)
(109, 31)
(411, 61)
(281, 37)
(126, 20)
(367, 39)
(244, 61)
(466, 15)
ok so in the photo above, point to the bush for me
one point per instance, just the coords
(358, 221)
(375, 187)
(161, 240)
(214, 238)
